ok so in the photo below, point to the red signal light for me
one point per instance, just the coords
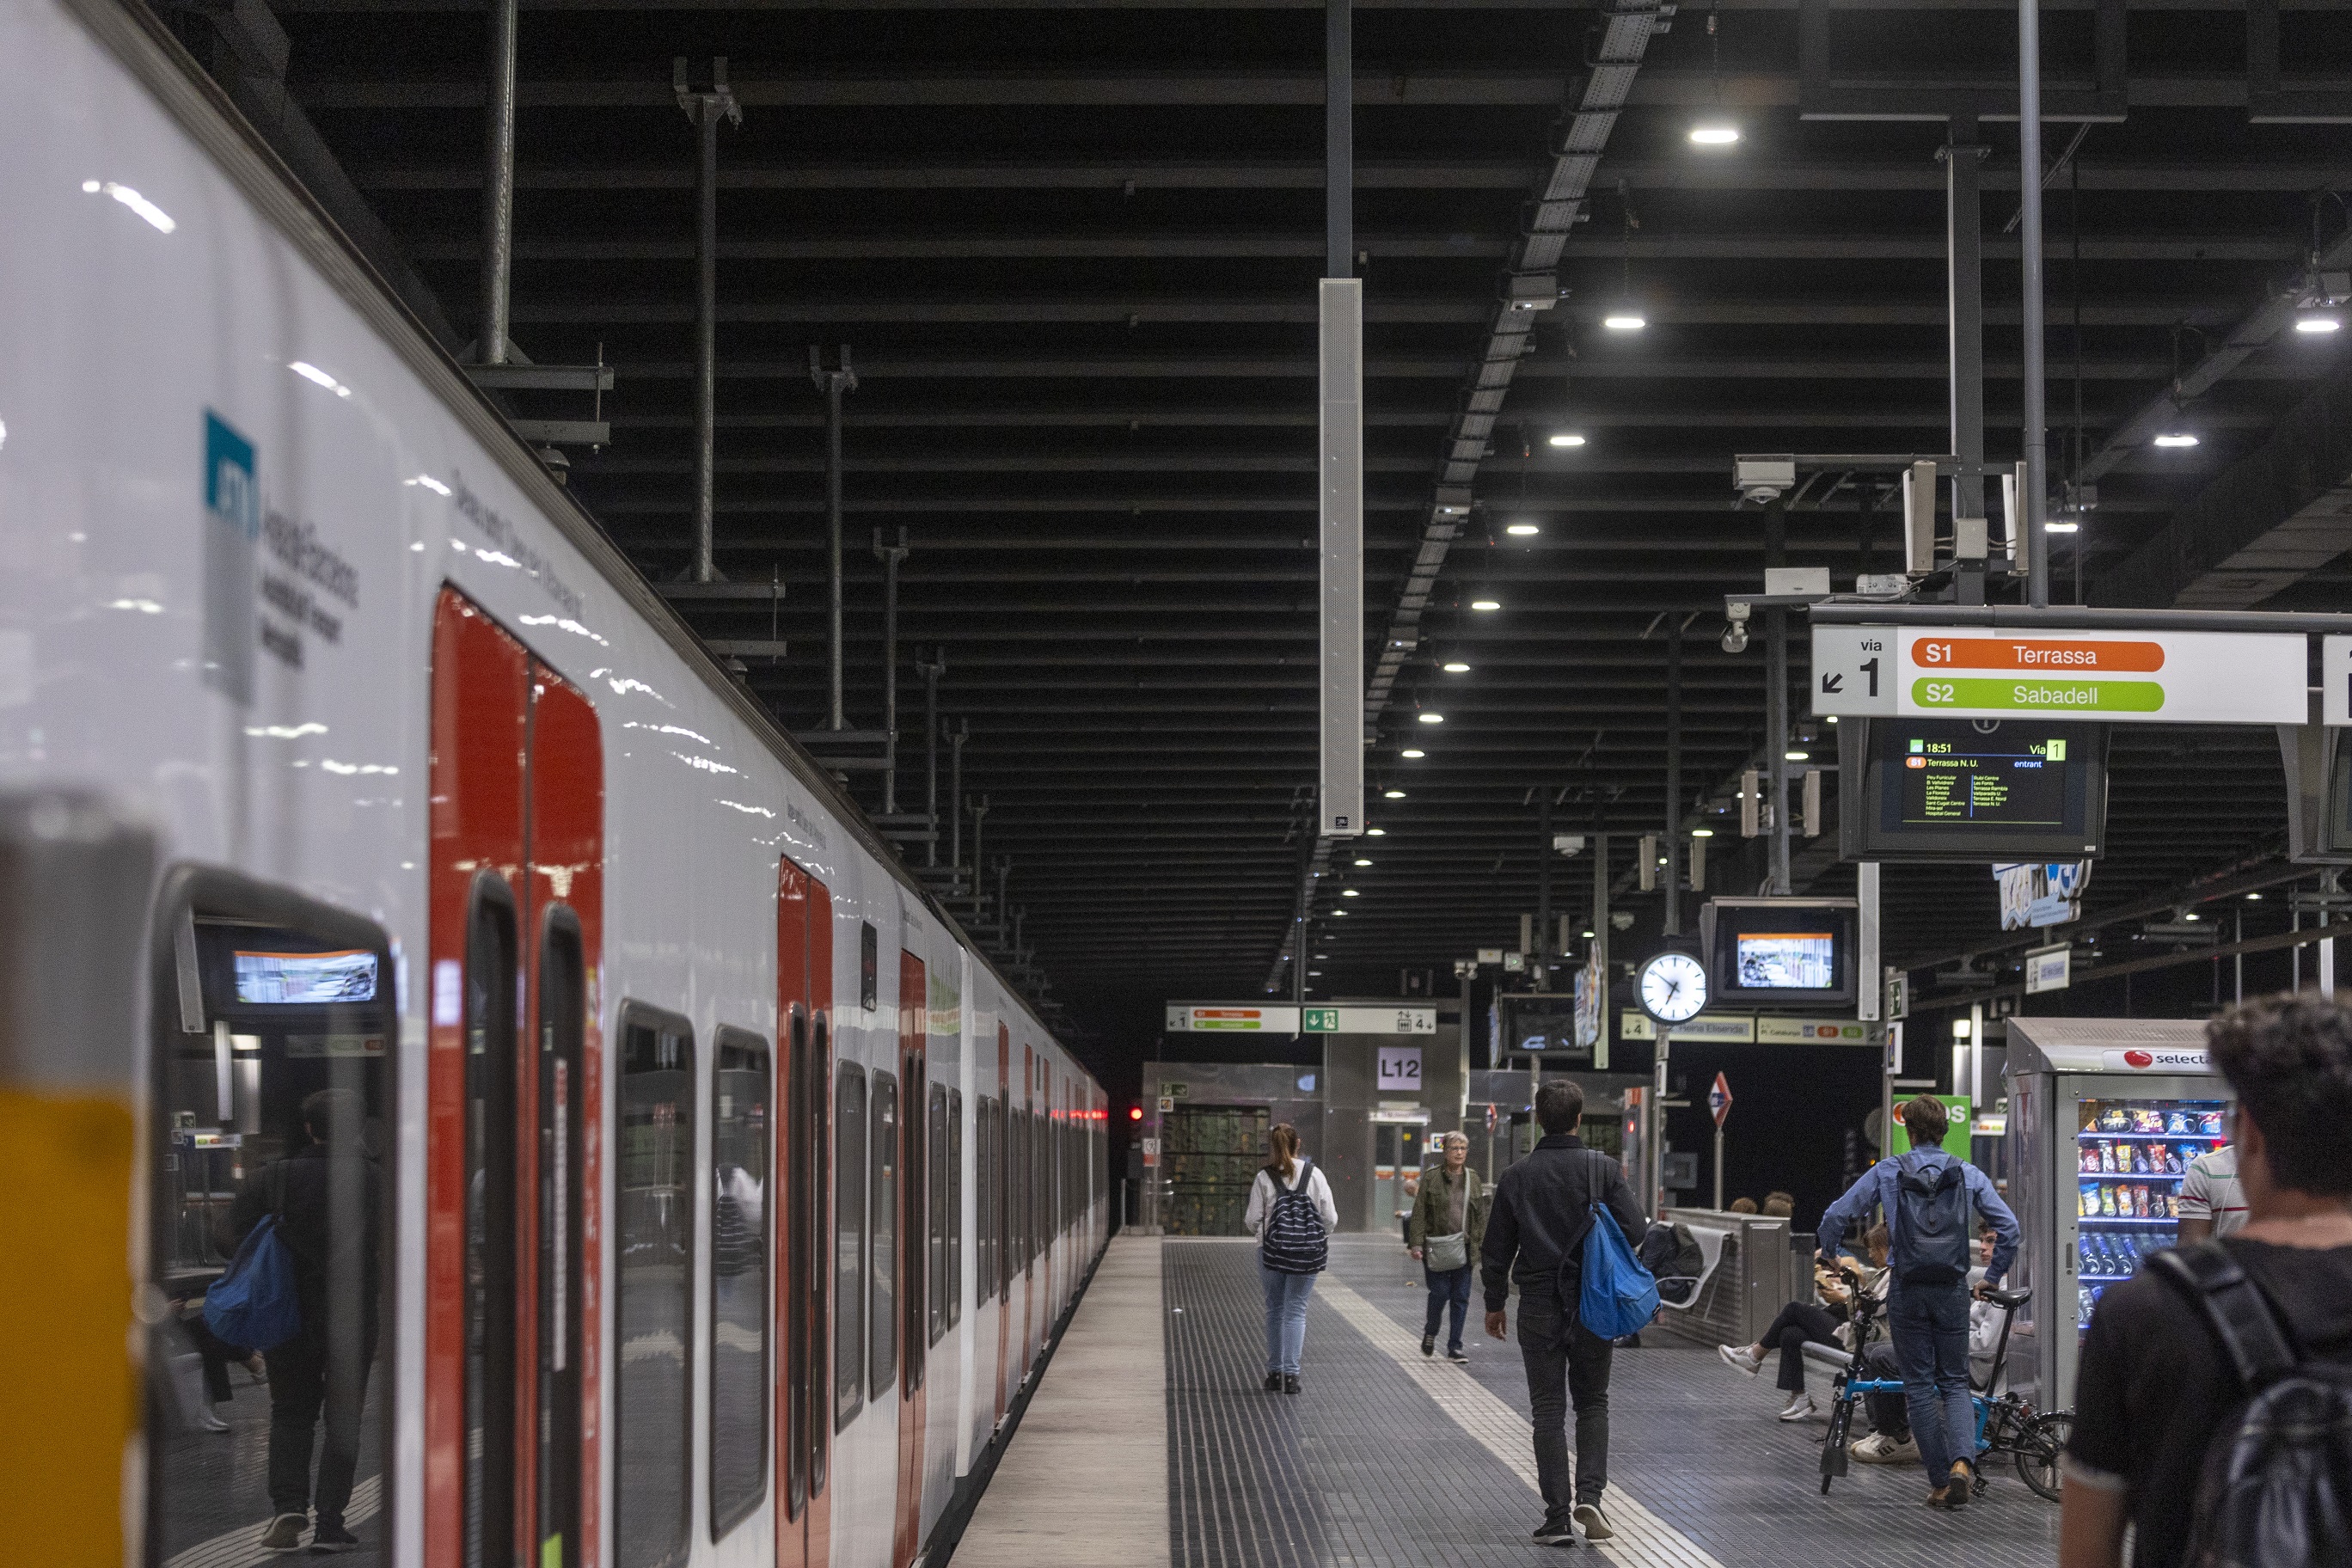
(1135, 1113)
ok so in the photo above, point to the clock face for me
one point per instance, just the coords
(1674, 988)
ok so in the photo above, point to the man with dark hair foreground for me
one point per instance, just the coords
(1543, 1210)
(2157, 1389)
(1927, 1195)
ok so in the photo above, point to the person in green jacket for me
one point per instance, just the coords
(1447, 1227)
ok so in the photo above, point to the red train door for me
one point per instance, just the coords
(515, 891)
(914, 1246)
(803, 1218)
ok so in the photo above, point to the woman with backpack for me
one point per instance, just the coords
(1291, 1213)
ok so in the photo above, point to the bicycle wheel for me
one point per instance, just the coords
(2039, 1447)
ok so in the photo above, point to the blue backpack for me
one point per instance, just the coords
(254, 1305)
(1617, 1296)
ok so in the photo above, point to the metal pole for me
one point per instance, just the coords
(1964, 309)
(1718, 1167)
(1673, 917)
(890, 555)
(1338, 140)
(705, 334)
(955, 801)
(932, 673)
(1775, 697)
(833, 383)
(2029, 179)
(1601, 920)
(1543, 884)
(497, 186)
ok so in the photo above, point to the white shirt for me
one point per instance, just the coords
(1262, 1199)
(2211, 1191)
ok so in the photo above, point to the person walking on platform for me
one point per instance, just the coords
(1291, 1213)
(1447, 1227)
(1927, 1195)
(2168, 1438)
(1543, 1210)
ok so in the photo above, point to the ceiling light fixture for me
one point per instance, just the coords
(1456, 668)
(1624, 322)
(2318, 324)
(1702, 833)
(1349, 894)
(1523, 531)
(2061, 527)
(1565, 439)
(1430, 718)
(1391, 794)
(1715, 135)
(1376, 833)
(1796, 756)
(1361, 861)
(2177, 438)
(1486, 603)
(1413, 753)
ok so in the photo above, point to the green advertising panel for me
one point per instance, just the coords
(1956, 1135)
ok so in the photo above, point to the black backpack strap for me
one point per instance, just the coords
(2234, 1308)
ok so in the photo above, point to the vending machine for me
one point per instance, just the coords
(2104, 1115)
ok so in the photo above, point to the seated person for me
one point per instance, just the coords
(1825, 1322)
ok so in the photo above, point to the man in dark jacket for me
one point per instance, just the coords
(1543, 1208)
(328, 1199)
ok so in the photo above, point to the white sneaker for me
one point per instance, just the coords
(1878, 1448)
(1739, 1358)
(1800, 1405)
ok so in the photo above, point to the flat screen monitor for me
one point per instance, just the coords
(1545, 1025)
(1971, 789)
(1779, 953)
(305, 979)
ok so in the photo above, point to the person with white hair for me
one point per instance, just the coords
(1447, 1227)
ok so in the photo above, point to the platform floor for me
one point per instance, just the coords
(1388, 1459)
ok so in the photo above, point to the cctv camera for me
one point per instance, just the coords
(1734, 638)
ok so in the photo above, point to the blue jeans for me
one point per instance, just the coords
(1930, 1327)
(1286, 1317)
(1449, 1289)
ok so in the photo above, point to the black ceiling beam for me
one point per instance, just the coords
(1814, 367)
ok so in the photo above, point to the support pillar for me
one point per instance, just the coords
(706, 109)
(930, 673)
(1775, 697)
(1673, 915)
(497, 186)
(890, 556)
(2034, 503)
(833, 383)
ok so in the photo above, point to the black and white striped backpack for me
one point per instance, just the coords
(1292, 1240)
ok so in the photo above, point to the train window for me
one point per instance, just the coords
(849, 1244)
(274, 1018)
(742, 1181)
(936, 1150)
(882, 1266)
(652, 1341)
(955, 1207)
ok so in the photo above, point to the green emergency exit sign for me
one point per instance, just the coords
(1319, 1021)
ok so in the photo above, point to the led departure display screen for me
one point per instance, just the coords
(1963, 789)
(296, 979)
(1787, 961)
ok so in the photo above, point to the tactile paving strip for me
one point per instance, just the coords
(1388, 1459)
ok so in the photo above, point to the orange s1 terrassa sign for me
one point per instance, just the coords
(2055, 654)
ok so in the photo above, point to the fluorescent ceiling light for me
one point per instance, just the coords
(1376, 833)
(1413, 753)
(1430, 718)
(1567, 440)
(2178, 438)
(2061, 527)
(1715, 135)
(1624, 322)
(1391, 794)
(1339, 914)
(1486, 603)
(155, 216)
(1349, 894)
(1702, 833)
(1457, 668)
(2318, 324)
(1796, 756)
(1361, 861)
(1523, 531)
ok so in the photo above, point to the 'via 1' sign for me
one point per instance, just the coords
(1974, 672)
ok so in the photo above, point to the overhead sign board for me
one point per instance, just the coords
(2049, 969)
(1743, 1028)
(2335, 681)
(1399, 1069)
(1978, 672)
(1209, 1018)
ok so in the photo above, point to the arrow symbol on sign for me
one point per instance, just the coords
(1833, 683)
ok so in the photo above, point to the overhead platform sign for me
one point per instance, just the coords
(2125, 676)
(1248, 1018)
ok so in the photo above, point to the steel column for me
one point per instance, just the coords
(706, 338)
(1599, 848)
(932, 673)
(497, 186)
(1673, 915)
(1543, 931)
(1776, 696)
(955, 802)
(2028, 178)
(833, 383)
(1964, 307)
(890, 556)
(1338, 140)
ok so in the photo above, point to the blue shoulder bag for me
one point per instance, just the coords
(254, 1304)
(1617, 1296)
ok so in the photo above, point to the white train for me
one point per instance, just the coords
(695, 1195)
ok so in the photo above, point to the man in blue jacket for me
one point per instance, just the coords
(1927, 1195)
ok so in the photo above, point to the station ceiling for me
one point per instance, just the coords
(1072, 251)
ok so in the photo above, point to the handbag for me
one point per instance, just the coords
(1445, 1254)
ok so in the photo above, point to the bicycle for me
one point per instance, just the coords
(2007, 1424)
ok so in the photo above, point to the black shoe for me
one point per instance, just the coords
(1456, 1357)
(285, 1532)
(1290, 1383)
(1274, 1383)
(332, 1538)
(1559, 1532)
(1429, 1345)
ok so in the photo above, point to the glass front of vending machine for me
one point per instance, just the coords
(2104, 1115)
